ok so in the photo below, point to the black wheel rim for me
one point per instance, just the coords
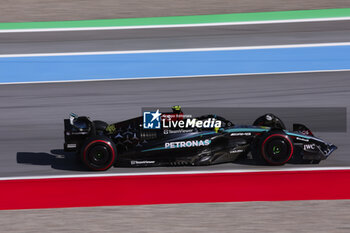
(277, 150)
(99, 156)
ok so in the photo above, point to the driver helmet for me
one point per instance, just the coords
(176, 109)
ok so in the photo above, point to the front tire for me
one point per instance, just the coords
(98, 153)
(276, 149)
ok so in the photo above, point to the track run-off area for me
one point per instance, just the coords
(111, 74)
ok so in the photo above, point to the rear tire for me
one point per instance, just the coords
(98, 153)
(275, 149)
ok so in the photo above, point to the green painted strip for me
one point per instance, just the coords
(194, 19)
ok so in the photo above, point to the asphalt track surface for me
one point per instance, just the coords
(174, 38)
(31, 118)
(246, 217)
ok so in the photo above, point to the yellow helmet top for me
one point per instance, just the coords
(176, 108)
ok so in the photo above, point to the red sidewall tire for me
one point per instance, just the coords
(90, 144)
(286, 139)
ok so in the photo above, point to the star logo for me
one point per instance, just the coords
(151, 120)
(155, 115)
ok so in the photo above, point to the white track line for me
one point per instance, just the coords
(173, 77)
(175, 25)
(178, 50)
(178, 173)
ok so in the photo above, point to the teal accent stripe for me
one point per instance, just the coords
(299, 135)
(246, 130)
(157, 148)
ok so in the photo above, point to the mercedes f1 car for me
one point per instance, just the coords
(129, 143)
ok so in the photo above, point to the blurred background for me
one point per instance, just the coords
(53, 10)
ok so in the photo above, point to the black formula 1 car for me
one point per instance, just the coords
(129, 143)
